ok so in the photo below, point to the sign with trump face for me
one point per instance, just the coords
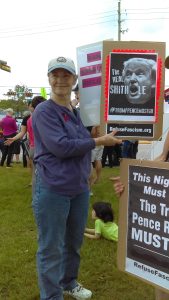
(132, 86)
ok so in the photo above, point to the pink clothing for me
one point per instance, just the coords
(30, 132)
(9, 126)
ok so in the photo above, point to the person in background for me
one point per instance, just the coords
(96, 157)
(107, 152)
(61, 192)
(17, 145)
(117, 154)
(1, 141)
(130, 149)
(34, 103)
(105, 227)
(16, 152)
(76, 101)
(9, 127)
(24, 140)
(96, 164)
(26, 127)
(23, 129)
(113, 153)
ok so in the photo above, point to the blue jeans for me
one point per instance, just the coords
(61, 221)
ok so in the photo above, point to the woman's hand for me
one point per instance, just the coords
(108, 139)
(9, 141)
(118, 185)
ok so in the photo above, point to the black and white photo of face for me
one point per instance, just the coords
(138, 78)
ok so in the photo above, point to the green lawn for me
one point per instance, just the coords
(18, 246)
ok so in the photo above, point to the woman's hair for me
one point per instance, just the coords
(103, 211)
(37, 100)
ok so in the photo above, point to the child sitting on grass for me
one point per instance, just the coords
(103, 215)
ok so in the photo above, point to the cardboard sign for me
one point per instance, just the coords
(144, 221)
(132, 87)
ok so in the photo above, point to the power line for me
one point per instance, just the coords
(68, 21)
(52, 24)
(96, 16)
(148, 19)
(146, 13)
(152, 8)
(54, 30)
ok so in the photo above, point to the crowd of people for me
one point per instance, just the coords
(9, 128)
(66, 160)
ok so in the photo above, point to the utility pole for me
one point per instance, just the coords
(119, 20)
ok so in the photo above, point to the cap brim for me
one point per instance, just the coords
(62, 67)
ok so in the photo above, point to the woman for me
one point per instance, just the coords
(61, 193)
(9, 127)
(26, 128)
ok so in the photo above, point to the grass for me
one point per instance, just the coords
(98, 271)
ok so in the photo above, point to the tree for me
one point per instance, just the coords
(23, 92)
(18, 106)
(17, 99)
(20, 92)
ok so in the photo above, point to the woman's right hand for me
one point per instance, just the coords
(108, 139)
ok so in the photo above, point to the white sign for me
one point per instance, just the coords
(89, 62)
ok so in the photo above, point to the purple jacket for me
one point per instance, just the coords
(62, 148)
(9, 126)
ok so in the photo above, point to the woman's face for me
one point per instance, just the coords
(61, 82)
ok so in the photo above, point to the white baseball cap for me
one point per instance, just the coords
(62, 63)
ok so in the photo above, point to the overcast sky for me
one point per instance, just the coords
(33, 32)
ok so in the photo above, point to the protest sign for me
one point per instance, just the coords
(144, 221)
(132, 87)
(131, 90)
(89, 62)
